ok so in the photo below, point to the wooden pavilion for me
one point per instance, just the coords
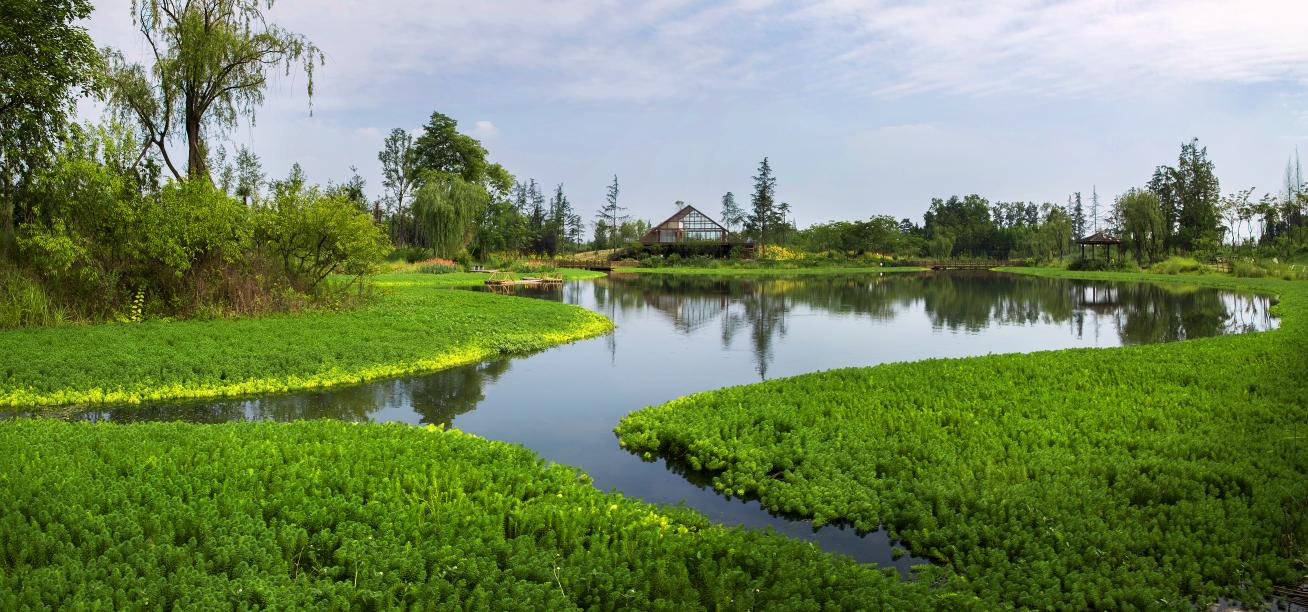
(1106, 240)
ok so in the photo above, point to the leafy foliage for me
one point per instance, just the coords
(211, 64)
(315, 235)
(102, 231)
(333, 515)
(45, 61)
(1140, 477)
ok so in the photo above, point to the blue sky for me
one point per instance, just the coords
(863, 106)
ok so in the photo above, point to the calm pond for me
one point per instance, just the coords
(677, 335)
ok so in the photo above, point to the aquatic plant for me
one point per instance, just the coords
(1140, 477)
(333, 515)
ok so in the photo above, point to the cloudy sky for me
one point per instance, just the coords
(863, 106)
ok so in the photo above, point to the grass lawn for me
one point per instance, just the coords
(416, 326)
(1146, 477)
(767, 271)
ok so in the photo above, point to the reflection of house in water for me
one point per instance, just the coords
(688, 312)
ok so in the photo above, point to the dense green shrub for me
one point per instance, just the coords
(333, 515)
(1176, 265)
(438, 268)
(1141, 477)
(314, 235)
(104, 233)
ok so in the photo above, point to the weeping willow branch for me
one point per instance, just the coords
(446, 209)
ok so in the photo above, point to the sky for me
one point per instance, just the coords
(863, 107)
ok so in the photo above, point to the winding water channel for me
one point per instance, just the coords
(677, 335)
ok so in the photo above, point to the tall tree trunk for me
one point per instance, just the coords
(196, 164)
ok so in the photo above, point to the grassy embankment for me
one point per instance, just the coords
(411, 328)
(332, 515)
(726, 271)
(1144, 477)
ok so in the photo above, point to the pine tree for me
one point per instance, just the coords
(557, 228)
(732, 215)
(1078, 214)
(611, 215)
(763, 203)
(1198, 193)
(535, 217)
(1094, 208)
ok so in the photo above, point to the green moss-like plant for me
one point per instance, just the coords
(1142, 477)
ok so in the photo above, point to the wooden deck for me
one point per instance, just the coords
(601, 265)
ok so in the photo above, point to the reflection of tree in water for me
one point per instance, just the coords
(444, 395)
(965, 301)
(438, 397)
(761, 306)
(764, 314)
(1140, 313)
(972, 301)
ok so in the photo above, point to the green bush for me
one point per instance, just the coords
(313, 236)
(110, 242)
(439, 268)
(1176, 265)
(1093, 264)
(409, 254)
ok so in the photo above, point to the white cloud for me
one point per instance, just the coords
(1077, 46)
(634, 50)
(485, 129)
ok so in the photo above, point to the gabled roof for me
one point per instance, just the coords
(686, 210)
(1100, 237)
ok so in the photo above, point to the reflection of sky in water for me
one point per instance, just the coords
(680, 335)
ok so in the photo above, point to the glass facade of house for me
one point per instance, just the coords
(689, 225)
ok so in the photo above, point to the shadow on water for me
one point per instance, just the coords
(678, 335)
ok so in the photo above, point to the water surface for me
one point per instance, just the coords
(678, 335)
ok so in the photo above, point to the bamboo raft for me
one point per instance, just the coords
(510, 282)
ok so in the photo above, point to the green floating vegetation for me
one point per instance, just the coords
(333, 515)
(728, 271)
(415, 327)
(1142, 477)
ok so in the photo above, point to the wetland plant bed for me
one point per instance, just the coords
(1147, 477)
(332, 515)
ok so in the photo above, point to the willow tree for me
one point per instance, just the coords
(210, 66)
(446, 209)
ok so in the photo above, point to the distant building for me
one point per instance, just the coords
(688, 225)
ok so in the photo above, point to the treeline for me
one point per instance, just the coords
(443, 197)
(1179, 211)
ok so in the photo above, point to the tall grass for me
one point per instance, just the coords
(1176, 265)
(24, 302)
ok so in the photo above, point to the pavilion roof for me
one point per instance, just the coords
(1100, 237)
